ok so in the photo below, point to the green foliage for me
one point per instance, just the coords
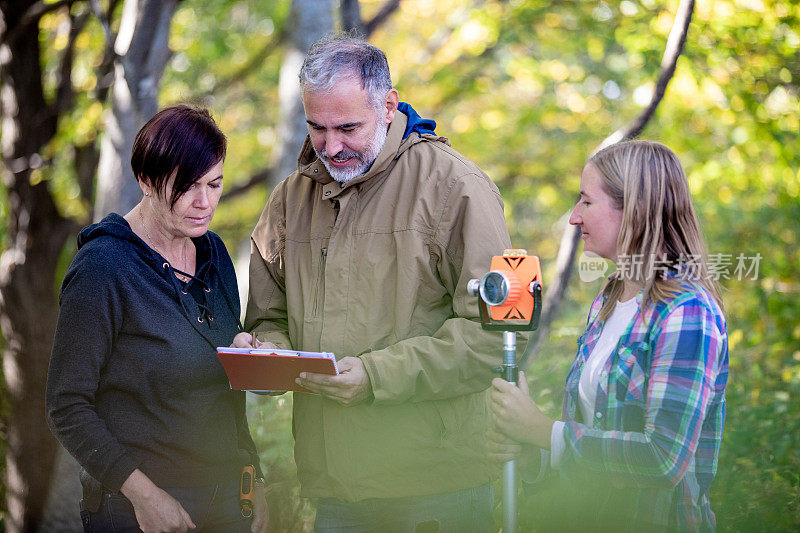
(527, 90)
(82, 125)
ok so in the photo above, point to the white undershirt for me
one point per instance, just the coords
(593, 371)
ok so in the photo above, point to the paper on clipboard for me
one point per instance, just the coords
(266, 370)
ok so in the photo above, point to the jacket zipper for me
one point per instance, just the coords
(319, 293)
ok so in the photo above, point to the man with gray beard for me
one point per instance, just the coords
(365, 251)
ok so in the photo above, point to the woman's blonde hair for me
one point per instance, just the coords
(659, 230)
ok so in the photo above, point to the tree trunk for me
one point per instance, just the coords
(61, 508)
(36, 232)
(308, 21)
(351, 18)
(142, 48)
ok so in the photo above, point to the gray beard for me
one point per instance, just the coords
(366, 159)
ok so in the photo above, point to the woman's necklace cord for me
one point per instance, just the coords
(152, 244)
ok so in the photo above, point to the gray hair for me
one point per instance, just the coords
(340, 55)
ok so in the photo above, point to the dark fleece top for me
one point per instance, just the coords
(134, 380)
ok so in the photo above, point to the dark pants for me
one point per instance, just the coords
(465, 511)
(213, 508)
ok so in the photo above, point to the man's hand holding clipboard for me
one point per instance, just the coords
(350, 387)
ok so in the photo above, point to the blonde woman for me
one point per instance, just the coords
(644, 406)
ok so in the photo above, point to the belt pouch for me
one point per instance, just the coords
(92, 492)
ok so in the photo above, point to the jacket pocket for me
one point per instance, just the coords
(464, 419)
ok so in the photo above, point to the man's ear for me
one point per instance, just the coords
(390, 103)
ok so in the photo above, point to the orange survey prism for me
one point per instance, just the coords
(519, 270)
(511, 291)
(261, 370)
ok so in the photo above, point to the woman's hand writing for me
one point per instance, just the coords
(249, 340)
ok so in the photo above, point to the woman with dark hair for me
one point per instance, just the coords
(135, 391)
(644, 406)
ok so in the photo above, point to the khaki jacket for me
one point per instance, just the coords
(378, 268)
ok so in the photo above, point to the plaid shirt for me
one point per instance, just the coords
(659, 412)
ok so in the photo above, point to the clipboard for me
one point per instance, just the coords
(260, 370)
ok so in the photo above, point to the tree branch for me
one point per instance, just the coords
(158, 55)
(105, 70)
(279, 37)
(571, 236)
(252, 64)
(262, 177)
(103, 18)
(351, 17)
(32, 16)
(65, 92)
(85, 163)
(673, 50)
(39, 9)
(380, 17)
